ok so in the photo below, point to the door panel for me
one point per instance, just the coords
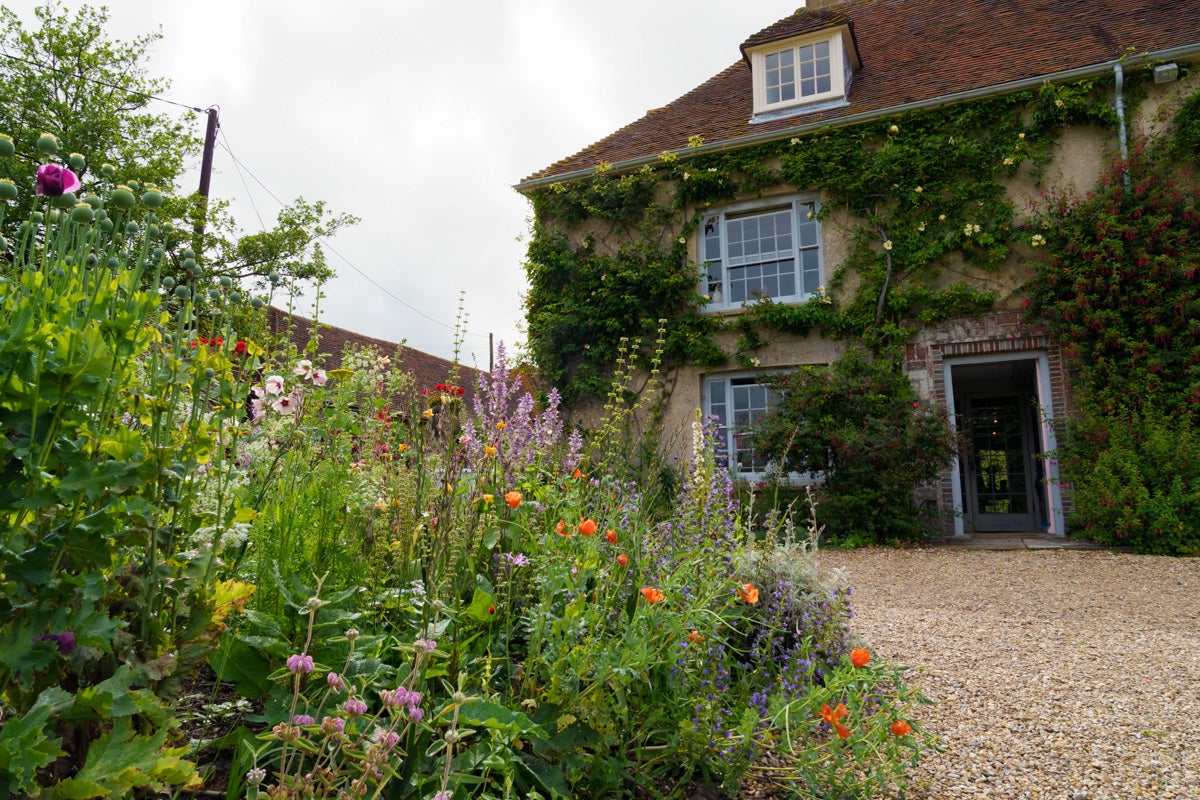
(999, 463)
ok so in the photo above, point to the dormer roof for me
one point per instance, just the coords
(802, 23)
(913, 53)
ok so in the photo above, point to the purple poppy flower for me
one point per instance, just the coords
(65, 641)
(55, 181)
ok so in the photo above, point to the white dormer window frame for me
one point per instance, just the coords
(814, 68)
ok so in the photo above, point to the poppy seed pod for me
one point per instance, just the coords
(8, 189)
(152, 198)
(122, 198)
(82, 212)
(77, 162)
(6, 145)
(47, 144)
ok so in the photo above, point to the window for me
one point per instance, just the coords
(806, 70)
(738, 403)
(753, 251)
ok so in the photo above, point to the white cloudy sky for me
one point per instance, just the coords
(418, 116)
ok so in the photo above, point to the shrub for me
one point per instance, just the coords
(1136, 482)
(859, 425)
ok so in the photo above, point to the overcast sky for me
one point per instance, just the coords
(419, 116)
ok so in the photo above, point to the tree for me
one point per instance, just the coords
(68, 78)
(94, 94)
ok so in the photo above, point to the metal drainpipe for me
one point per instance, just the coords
(1119, 73)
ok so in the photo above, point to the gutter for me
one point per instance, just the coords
(1183, 52)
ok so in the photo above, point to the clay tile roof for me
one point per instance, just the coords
(912, 51)
(797, 24)
(426, 368)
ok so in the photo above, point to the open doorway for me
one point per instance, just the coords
(1002, 480)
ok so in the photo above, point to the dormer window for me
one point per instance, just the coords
(794, 73)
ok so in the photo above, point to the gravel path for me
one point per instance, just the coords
(1058, 674)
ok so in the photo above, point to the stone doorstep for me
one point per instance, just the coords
(1015, 541)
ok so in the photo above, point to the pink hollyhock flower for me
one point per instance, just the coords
(55, 181)
(274, 384)
(258, 409)
(319, 378)
(258, 392)
(303, 368)
(288, 404)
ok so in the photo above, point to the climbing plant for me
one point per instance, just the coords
(925, 193)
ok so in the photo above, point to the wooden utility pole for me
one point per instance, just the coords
(210, 145)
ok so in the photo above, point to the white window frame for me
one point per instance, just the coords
(839, 70)
(714, 251)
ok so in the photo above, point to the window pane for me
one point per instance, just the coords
(772, 95)
(786, 58)
(808, 87)
(789, 92)
(824, 84)
(821, 49)
(807, 69)
(771, 61)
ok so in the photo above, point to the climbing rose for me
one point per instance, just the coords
(55, 181)
(859, 658)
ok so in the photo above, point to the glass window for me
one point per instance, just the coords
(738, 403)
(771, 253)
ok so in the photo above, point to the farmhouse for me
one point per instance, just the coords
(861, 174)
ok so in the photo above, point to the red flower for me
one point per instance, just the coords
(623, 560)
(513, 499)
(860, 657)
(240, 348)
(491, 609)
(561, 528)
(611, 536)
(901, 728)
(695, 636)
(587, 527)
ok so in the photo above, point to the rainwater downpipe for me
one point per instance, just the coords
(1119, 74)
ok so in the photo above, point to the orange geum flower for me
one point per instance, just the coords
(859, 657)
(748, 592)
(901, 728)
(611, 536)
(513, 499)
(652, 595)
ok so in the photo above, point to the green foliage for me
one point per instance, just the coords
(1118, 289)
(926, 192)
(1135, 479)
(1118, 286)
(115, 419)
(859, 424)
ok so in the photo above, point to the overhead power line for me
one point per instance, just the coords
(240, 167)
(107, 85)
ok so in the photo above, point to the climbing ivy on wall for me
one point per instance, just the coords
(925, 192)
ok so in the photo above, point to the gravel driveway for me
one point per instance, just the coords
(1058, 674)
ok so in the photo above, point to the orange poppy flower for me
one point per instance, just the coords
(623, 560)
(901, 728)
(513, 499)
(695, 636)
(860, 657)
(561, 527)
(577, 474)
(748, 592)
(651, 594)
(587, 527)
(832, 716)
(611, 536)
